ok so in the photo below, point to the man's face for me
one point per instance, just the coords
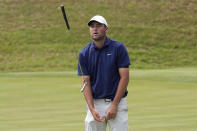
(97, 31)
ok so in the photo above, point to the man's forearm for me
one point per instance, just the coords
(88, 97)
(122, 86)
(88, 94)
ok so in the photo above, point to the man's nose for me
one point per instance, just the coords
(94, 28)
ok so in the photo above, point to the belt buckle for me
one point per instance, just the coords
(107, 100)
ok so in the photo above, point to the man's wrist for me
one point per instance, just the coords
(91, 108)
(114, 103)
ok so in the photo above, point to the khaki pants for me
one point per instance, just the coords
(120, 123)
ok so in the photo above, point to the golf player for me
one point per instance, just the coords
(104, 66)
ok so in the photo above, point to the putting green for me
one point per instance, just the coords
(159, 100)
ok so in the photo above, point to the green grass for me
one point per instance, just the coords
(159, 100)
(157, 33)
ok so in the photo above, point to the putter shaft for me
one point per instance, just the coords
(84, 86)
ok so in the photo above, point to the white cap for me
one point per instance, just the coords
(99, 19)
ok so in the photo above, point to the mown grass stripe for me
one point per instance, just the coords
(51, 103)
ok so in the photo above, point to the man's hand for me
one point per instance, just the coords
(96, 115)
(111, 112)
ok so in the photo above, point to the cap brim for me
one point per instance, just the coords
(90, 22)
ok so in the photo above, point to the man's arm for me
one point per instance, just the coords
(89, 99)
(122, 86)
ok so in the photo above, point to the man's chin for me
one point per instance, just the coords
(97, 38)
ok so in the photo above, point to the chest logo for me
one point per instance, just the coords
(109, 54)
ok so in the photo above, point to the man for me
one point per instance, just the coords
(104, 65)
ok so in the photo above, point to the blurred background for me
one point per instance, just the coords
(157, 33)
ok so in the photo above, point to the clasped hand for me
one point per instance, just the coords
(111, 113)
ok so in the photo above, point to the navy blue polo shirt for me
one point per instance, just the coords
(102, 66)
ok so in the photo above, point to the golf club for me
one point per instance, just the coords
(85, 83)
(68, 27)
(65, 18)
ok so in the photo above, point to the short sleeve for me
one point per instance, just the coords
(123, 57)
(82, 64)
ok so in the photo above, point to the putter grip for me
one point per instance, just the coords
(65, 18)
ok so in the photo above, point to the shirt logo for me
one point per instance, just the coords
(108, 54)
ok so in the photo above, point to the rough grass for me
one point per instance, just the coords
(157, 33)
(159, 100)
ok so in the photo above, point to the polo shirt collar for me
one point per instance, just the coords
(106, 44)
